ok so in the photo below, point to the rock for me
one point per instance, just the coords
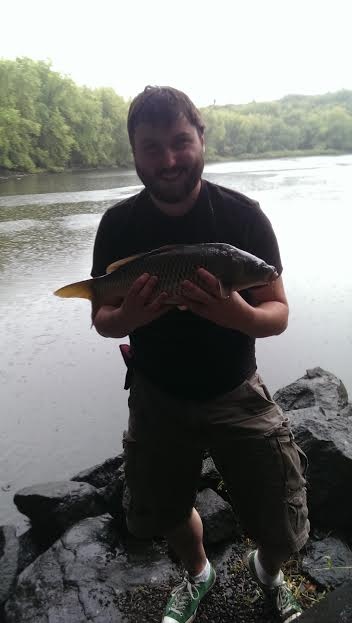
(32, 543)
(112, 494)
(328, 562)
(326, 438)
(56, 505)
(318, 388)
(83, 575)
(9, 548)
(101, 475)
(217, 515)
(336, 607)
(210, 476)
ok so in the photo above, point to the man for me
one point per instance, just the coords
(193, 374)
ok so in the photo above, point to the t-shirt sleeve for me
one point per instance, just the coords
(262, 240)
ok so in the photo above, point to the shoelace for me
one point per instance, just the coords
(283, 598)
(182, 594)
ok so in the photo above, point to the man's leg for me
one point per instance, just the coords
(271, 560)
(264, 471)
(164, 455)
(187, 542)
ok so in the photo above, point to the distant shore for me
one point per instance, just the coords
(6, 174)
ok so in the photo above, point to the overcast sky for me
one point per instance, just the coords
(231, 51)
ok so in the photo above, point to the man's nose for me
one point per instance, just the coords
(169, 158)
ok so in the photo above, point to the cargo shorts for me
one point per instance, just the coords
(252, 446)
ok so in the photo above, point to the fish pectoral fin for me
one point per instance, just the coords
(225, 291)
(80, 289)
(126, 260)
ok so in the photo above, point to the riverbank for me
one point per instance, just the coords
(7, 174)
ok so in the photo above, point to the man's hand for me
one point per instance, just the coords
(267, 316)
(140, 307)
(209, 302)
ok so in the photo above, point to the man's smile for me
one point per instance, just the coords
(171, 176)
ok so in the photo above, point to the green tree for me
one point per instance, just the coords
(47, 122)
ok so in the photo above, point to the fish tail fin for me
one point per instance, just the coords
(80, 289)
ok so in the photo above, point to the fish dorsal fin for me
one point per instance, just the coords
(126, 260)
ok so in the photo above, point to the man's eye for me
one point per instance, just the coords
(182, 143)
(151, 149)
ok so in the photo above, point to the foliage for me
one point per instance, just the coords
(296, 123)
(47, 122)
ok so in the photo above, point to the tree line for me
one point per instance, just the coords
(48, 123)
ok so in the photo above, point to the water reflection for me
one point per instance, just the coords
(68, 182)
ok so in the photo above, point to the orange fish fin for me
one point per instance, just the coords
(80, 289)
(126, 260)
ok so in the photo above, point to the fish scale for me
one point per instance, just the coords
(170, 273)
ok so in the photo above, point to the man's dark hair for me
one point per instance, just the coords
(162, 106)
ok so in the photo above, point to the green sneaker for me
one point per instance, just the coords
(281, 598)
(185, 598)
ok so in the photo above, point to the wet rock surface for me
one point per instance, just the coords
(321, 419)
(218, 518)
(59, 503)
(9, 555)
(316, 388)
(335, 608)
(328, 562)
(91, 575)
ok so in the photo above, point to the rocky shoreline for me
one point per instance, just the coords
(77, 562)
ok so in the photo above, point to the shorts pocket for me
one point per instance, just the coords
(295, 463)
(297, 511)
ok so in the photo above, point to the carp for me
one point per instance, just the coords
(234, 268)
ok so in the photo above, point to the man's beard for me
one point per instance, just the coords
(173, 191)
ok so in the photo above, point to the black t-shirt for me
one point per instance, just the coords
(181, 352)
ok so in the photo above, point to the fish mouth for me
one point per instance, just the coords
(274, 276)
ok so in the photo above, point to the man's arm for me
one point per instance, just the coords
(266, 315)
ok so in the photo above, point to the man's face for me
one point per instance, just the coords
(169, 159)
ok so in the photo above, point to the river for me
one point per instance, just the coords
(62, 404)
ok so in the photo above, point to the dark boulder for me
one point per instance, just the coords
(336, 607)
(54, 506)
(321, 416)
(326, 438)
(328, 562)
(83, 575)
(101, 475)
(217, 515)
(317, 388)
(210, 477)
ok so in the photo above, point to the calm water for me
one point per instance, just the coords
(62, 403)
